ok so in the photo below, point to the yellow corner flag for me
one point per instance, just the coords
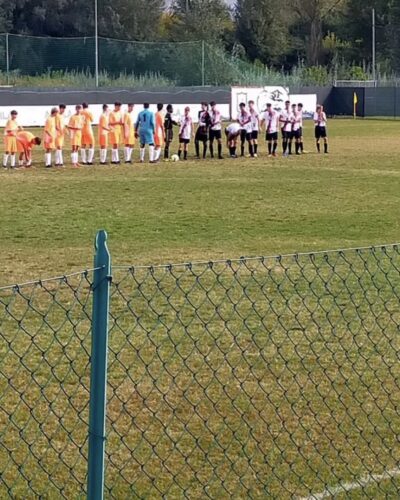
(355, 101)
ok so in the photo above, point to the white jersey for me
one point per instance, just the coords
(233, 128)
(255, 121)
(271, 121)
(244, 120)
(185, 131)
(298, 121)
(320, 119)
(286, 119)
(216, 120)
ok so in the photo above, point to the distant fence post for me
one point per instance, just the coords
(203, 63)
(7, 60)
(98, 375)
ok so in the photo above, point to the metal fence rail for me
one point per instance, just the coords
(258, 378)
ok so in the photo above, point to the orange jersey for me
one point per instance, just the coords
(103, 130)
(87, 131)
(115, 121)
(11, 128)
(159, 133)
(24, 141)
(60, 130)
(129, 130)
(10, 136)
(76, 124)
(49, 139)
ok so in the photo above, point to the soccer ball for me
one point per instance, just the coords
(174, 158)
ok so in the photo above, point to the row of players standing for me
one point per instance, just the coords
(156, 130)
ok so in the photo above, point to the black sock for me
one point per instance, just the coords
(290, 147)
(275, 147)
(197, 146)
(234, 150)
(242, 149)
(297, 148)
(180, 153)
(284, 146)
(185, 155)
(204, 149)
(231, 150)
(212, 149)
(251, 150)
(219, 150)
(166, 152)
(318, 147)
(301, 146)
(326, 147)
(270, 148)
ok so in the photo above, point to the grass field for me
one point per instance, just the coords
(262, 378)
(204, 210)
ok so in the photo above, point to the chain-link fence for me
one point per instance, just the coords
(257, 378)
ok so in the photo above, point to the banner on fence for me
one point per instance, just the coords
(275, 95)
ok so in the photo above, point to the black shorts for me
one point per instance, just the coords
(169, 135)
(297, 134)
(215, 135)
(201, 135)
(254, 135)
(320, 132)
(271, 137)
(184, 141)
(286, 136)
(245, 136)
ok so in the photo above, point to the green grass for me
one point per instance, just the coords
(266, 378)
(204, 210)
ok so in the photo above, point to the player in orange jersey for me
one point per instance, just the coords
(75, 126)
(60, 129)
(10, 139)
(49, 136)
(87, 136)
(129, 134)
(25, 143)
(116, 124)
(104, 130)
(159, 133)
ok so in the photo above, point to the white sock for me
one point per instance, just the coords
(20, 163)
(126, 151)
(116, 155)
(12, 161)
(47, 159)
(91, 155)
(28, 163)
(103, 155)
(151, 153)
(142, 153)
(60, 156)
(158, 154)
(5, 160)
(73, 158)
(83, 155)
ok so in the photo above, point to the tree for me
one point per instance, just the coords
(313, 13)
(208, 20)
(262, 29)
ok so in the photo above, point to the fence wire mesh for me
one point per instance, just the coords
(258, 378)
(44, 387)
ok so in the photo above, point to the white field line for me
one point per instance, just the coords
(356, 485)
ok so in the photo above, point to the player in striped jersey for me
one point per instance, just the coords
(215, 130)
(185, 133)
(320, 128)
(244, 120)
(271, 120)
(202, 130)
(286, 121)
(255, 127)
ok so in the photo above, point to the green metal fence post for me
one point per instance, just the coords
(98, 375)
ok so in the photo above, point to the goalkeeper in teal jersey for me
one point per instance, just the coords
(144, 129)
